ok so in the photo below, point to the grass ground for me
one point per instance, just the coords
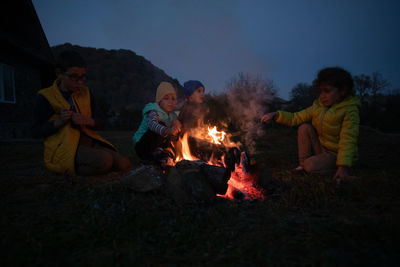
(48, 219)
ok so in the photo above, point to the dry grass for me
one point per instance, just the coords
(48, 219)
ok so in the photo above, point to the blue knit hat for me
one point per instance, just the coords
(190, 86)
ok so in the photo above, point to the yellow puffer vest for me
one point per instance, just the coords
(60, 148)
(337, 126)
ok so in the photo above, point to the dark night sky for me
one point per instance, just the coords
(287, 41)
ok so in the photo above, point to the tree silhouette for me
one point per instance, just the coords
(378, 84)
(369, 86)
(362, 85)
(302, 96)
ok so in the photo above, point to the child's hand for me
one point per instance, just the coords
(268, 117)
(174, 130)
(342, 173)
(80, 119)
(65, 116)
(178, 124)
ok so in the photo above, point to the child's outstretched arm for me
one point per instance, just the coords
(269, 117)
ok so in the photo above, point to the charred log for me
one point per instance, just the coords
(189, 164)
(245, 161)
(217, 176)
(205, 150)
(232, 158)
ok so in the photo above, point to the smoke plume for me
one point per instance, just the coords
(249, 98)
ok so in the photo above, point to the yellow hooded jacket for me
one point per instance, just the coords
(337, 126)
(60, 148)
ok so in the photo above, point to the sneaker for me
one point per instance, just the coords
(163, 157)
(298, 170)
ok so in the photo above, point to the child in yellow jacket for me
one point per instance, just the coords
(330, 141)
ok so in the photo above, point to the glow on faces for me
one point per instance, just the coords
(168, 102)
(329, 95)
(73, 79)
(197, 96)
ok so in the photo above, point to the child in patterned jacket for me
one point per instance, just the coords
(159, 126)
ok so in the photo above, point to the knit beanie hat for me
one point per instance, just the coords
(163, 89)
(190, 86)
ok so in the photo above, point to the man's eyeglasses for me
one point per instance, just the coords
(75, 77)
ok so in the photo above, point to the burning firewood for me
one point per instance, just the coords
(226, 171)
(205, 150)
(228, 156)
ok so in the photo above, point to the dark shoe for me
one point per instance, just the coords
(163, 157)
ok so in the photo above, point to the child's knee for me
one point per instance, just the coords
(106, 161)
(304, 128)
(123, 164)
(309, 165)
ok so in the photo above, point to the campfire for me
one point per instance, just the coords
(208, 146)
(205, 166)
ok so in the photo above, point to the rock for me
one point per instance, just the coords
(189, 186)
(175, 186)
(217, 176)
(198, 188)
(144, 179)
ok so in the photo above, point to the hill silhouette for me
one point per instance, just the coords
(122, 82)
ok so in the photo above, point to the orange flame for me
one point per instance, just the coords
(185, 150)
(216, 136)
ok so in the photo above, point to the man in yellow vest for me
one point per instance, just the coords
(67, 117)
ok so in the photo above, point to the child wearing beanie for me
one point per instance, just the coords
(159, 126)
(193, 110)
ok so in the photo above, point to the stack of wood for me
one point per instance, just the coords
(206, 151)
(197, 181)
(187, 182)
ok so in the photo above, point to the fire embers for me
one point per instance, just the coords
(242, 182)
(243, 186)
